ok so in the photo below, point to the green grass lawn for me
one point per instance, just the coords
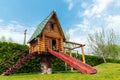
(108, 71)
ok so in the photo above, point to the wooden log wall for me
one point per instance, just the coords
(30, 49)
(45, 38)
(57, 44)
(48, 43)
(41, 44)
(61, 45)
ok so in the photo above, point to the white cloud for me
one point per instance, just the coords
(84, 26)
(113, 22)
(1, 21)
(76, 33)
(15, 31)
(80, 27)
(94, 15)
(95, 29)
(84, 5)
(98, 7)
(70, 4)
(72, 31)
(117, 3)
(78, 38)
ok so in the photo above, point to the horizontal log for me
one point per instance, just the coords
(75, 43)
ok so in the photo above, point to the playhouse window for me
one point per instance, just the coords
(52, 26)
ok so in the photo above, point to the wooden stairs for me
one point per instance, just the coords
(19, 64)
(17, 56)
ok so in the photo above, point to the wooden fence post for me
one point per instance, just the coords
(71, 56)
(83, 56)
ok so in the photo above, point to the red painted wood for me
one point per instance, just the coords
(80, 66)
(19, 64)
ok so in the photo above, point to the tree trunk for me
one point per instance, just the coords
(104, 59)
(46, 64)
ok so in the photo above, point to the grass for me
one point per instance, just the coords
(108, 71)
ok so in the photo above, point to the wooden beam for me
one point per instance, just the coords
(83, 56)
(71, 56)
(65, 62)
(67, 48)
(74, 43)
(76, 47)
(72, 48)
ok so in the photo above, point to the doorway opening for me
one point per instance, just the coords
(53, 44)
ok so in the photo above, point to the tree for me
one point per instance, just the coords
(103, 44)
(67, 36)
(112, 51)
(3, 39)
(10, 39)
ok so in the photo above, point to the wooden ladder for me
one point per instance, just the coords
(19, 64)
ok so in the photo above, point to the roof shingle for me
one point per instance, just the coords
(41, 27)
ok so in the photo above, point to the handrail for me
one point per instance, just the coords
(14, 57)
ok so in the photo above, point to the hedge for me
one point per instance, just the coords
(8, 49)
(94, 60)
(33, 65)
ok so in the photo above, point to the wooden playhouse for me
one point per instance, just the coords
(48, 34)
(47, 40)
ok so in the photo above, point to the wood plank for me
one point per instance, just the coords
(83, 56)
(74, 43)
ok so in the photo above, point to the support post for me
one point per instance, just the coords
(71, 56)
(46, 64)
(25, 36)
(65, 62)
(83, 56)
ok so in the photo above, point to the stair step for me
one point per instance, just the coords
(18, 64)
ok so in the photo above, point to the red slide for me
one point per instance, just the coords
(80, 66)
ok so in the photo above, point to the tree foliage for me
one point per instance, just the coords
(3, 39)
(10, 40)
(8, 49)
(67, 36)
(104, 44)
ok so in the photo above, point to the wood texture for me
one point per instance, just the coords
(45, 40)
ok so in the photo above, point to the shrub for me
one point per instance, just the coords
(7, 50)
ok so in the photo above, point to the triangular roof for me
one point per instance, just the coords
(42, 25)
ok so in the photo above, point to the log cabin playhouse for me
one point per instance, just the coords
(47, 40)
(49, 34)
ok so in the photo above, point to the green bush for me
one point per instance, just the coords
(8, 50)
(95, 60)
(57, 64)
(33, 65)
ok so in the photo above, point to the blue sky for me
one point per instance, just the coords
(78, 17)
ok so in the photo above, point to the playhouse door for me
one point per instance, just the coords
(53, 44)
(50, 43)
